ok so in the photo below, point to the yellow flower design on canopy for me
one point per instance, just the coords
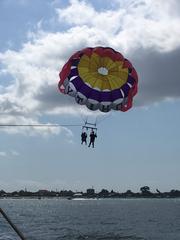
(102, 73)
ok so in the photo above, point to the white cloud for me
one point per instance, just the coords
(9, 153)
(132, 24)
(3, 154)
(142, 30)
(15, 153)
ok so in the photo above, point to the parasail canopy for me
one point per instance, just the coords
(100, 78)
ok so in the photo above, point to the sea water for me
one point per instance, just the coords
(105, 219)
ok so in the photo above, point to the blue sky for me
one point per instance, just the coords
(133, 149)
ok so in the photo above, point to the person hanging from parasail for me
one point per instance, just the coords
(84, 137)
(93, 136)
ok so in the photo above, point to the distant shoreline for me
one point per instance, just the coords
(90, 194)
(83, 198)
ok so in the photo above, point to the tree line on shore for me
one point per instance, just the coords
(90, 193)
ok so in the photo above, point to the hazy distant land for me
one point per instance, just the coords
(91, 193)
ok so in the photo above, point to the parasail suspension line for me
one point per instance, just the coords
(40, 125)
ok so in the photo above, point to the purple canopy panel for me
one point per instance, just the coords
(125, 88)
